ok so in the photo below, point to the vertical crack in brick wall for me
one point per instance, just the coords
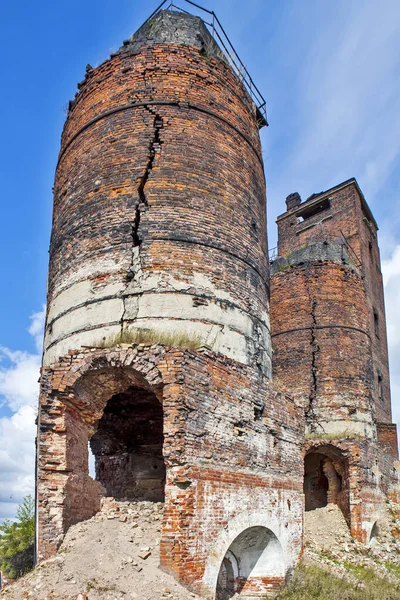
(311, 417)
(142, 203)
(135, 269)
(258, 348)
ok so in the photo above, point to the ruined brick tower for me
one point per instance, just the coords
(159, 201)
(159, 236)
(330, 351)
(157, 346)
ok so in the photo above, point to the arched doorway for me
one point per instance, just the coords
(326, 479)
(128, 446)
(316, 483)
(252, 566)
(120, 414)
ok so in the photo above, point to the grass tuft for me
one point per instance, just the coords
(315, 583)
(347, 433)
(150, 337)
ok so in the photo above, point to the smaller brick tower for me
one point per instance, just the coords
(330, 349)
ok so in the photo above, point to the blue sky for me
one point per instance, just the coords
(330, 72)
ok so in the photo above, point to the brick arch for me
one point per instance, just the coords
(109, 381)
(334, 465)
(237, 526)
(74, 393)
(94, 377)
(331, 450)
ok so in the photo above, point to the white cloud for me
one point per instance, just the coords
(350, 97)
(36, 327)
(19, 378)
(391, 278)
(19, 390)
(17, 458)
(340, 98)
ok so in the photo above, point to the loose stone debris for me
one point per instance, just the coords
(112, 556)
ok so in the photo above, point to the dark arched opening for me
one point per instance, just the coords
(252, 567)
(128, 446)
(326, 480)
(316, 483)
(228, 572)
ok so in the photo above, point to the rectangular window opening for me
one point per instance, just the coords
(380, 386)
(311, 211)
(376, 323)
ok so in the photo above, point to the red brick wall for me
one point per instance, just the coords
(342, 215)
(322, 343)
(387, 438)
(325, 287)
(232, 448)
(365, 493)
(349, 217)
(188, 163)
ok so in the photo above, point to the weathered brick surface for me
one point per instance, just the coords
(363, 490)
(328, 350)
(348, 225)
(322, 345)
(159, 205)
(159, 224)
(387, 438)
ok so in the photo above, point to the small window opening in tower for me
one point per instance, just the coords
(253, 563)
(376, 323)
(128, 447)
(308, 212)
(380, 385)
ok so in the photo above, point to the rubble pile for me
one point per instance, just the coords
(328, 543)
(112, 556)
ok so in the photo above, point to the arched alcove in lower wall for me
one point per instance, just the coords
(326, 479)
(253, 565)
(250, 558)
(125, 442)
(128, 446)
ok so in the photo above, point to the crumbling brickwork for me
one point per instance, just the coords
(337, 226)
(322, 345)
(210, 405)
(159, 201)
(159, 225)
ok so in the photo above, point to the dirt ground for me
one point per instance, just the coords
(328, 544)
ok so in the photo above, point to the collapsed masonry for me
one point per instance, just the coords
(159, 237)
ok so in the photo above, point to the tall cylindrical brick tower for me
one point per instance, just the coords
(159, 204)
(159, 228)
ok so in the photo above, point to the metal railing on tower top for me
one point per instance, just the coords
(219, 33)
